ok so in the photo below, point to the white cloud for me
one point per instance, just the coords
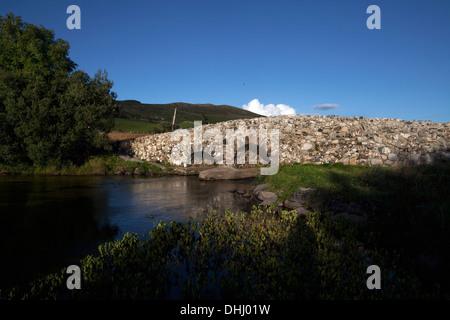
(268, 110)
(325, 106)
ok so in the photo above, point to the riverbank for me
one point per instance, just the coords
(107, 164)
(275, 253)
(111, 164)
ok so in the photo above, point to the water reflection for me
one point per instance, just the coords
(47, 222)
(136, 204)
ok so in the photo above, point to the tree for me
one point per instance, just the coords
(50, 113)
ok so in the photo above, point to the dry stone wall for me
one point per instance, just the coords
(325, 139)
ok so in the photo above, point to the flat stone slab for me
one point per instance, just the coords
(227, 173)
(268, 198)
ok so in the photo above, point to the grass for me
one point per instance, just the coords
(141, 126)
(186, 125)
(355, 182)
(107, 164)
(133, 125)
(264, 254)
(329, 178)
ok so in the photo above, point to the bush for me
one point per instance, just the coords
(50, 113)
(256, 255)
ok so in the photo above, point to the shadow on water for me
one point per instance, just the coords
(47, 223)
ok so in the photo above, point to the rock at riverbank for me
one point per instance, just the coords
(268, 198)
(309, 199)
(227, 173)
(302, 200)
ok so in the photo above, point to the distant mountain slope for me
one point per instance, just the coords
(186, 112)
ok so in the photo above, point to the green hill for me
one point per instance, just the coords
(143, 117)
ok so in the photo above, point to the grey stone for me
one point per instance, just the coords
(392, 157)
(227, 173)
(301, 211)
(307, 146)
(260, 187)
(264, 195)
(414, 158)
(375, 162)
(302, 197)
(268, 202)
(422, 134)
(300, 134)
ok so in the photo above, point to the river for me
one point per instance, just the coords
(49, 222)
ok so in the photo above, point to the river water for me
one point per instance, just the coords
(47, 223)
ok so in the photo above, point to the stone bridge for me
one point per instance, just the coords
(312, 139)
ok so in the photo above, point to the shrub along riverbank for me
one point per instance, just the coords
(106, 164)
(270, 254)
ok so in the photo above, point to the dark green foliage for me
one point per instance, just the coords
(50, 113)
(164, 126)
(105, 164)
(256, 255)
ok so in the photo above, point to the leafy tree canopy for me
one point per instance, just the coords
(50, 112)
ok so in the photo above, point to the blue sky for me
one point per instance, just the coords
(299, 53)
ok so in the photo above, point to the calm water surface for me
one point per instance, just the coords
(49, 222)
